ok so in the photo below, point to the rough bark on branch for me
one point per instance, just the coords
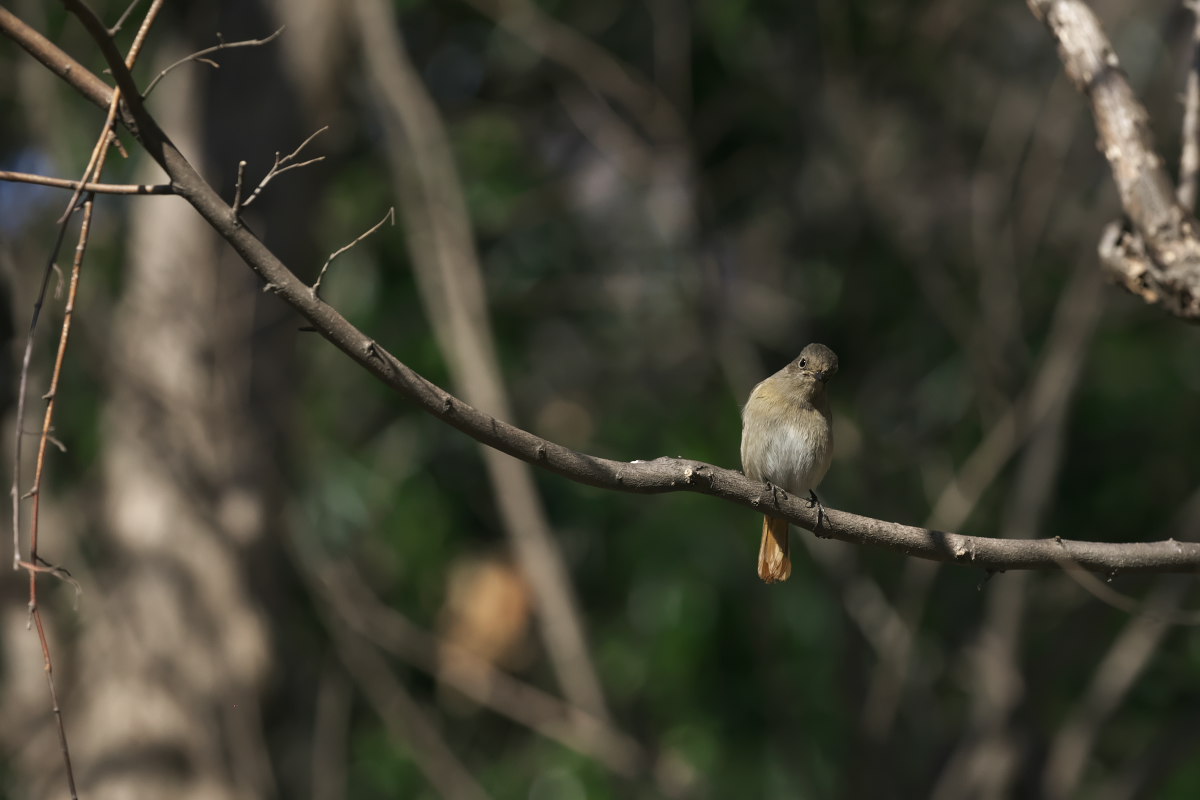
(1158, 256)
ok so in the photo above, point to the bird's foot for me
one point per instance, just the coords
(775, 493)
(814, 501)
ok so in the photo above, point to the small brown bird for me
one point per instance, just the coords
(787, 441)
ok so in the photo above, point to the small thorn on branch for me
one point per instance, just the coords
(237, 192)
(389, 217)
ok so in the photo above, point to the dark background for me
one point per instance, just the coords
(667, 201)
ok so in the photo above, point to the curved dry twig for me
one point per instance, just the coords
(282, 164)
(36, 565)
(390, 216)
(199, 55)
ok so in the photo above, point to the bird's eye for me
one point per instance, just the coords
(803, 363)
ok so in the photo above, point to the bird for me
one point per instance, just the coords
(787, 441)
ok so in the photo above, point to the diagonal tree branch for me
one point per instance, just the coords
(647, 477)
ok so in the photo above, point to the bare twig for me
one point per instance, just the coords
(283, 164)
(97, 157)
(199, 55)
(390, 216)
(108, 135)
(120, 23)
(32, 566)
(237, 190)
(15, 492)
(95, 165)
(88, 186)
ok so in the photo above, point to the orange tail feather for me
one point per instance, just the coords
(774, 565)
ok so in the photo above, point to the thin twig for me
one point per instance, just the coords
(22, 391)
(95, 159)
(94, 168)
(115, 29)
(87, 186)
(283, 164)
(237, 190)
(199, 55)
(109, 134)
(36, 616)
(390, 216)
(51, 394)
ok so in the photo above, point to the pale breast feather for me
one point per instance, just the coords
(811, 441)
